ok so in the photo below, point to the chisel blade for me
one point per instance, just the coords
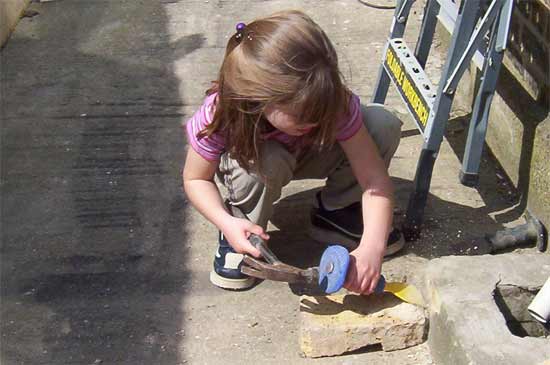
(406, 292)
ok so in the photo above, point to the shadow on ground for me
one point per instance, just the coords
(530, 113)
(92, 210)
(449, 228)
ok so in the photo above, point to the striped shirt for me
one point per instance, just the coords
(212, 147)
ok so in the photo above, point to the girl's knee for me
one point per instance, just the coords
(378, 116)
(383, 125)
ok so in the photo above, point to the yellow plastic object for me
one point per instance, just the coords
(405, 292)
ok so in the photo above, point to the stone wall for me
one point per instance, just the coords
(10, 12)
(519, 124)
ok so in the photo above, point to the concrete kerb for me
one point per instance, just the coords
(466, 324)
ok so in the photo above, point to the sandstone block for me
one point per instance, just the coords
(337, 324)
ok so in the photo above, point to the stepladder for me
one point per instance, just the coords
(479, 31)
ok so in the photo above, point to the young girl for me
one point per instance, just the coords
(279, 111)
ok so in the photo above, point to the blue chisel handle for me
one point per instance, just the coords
(381, 285)
(333, 269)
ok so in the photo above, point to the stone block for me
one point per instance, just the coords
(467, 327)
(337, 324)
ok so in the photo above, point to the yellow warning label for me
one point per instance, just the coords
(407, 88)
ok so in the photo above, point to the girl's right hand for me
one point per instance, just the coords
(237, 231)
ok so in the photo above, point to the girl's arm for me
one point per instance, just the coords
(377, 206)
(199, 185)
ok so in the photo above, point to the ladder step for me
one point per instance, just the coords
(411, 81)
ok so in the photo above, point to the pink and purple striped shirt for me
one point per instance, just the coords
(211, 148)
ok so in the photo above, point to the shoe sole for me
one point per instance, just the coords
(332, 237)
(395, 247)
(231, 284)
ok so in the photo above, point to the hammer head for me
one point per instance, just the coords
(327, 278)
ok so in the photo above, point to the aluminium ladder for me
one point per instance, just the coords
(479, 31)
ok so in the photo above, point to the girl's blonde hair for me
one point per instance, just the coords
(286, 60)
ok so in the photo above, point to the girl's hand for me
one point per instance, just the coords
(237, 231)
(364, 270)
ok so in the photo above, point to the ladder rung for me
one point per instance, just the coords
(411, 81)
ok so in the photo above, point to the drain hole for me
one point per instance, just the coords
(513, 301)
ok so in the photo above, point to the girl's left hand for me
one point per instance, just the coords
(364, 270)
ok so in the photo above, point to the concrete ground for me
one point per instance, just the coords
(103, 260)
(480, 316)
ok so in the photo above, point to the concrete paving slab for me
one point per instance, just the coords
(470, 322)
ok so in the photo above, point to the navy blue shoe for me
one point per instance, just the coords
(345, 226)
(227, 268)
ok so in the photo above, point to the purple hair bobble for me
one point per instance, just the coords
(240, 29)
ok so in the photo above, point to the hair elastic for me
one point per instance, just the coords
(240, 29)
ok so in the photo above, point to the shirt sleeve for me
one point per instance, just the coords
(210, 147)
(350, 123)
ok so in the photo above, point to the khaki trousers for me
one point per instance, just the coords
(254, 193)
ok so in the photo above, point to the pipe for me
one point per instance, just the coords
(540, 306)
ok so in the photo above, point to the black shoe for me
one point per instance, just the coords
(345, 227)
(227, 264)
